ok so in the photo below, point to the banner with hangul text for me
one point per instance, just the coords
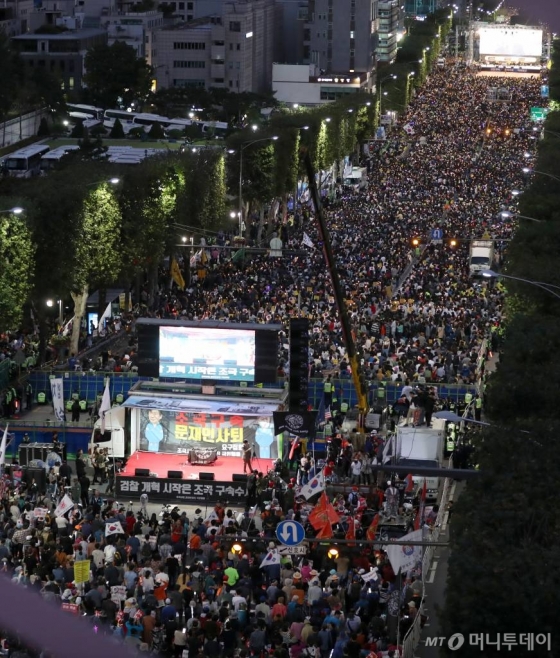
(178, 432)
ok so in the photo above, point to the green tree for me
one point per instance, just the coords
(44, 128)
(117, 131)
(46, 90)
(78, 131)
(16, 273)
(98, 261)
(156, 131)
(114, 75)
(11, 78)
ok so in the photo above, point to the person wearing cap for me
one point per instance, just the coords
(299, 589)
(314, 590)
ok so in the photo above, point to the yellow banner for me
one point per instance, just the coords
(81, 571)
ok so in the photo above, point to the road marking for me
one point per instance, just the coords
(444, 522)
(432, 575)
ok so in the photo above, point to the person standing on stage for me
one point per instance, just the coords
(247, 455)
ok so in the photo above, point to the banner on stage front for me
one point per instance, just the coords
(180, 432)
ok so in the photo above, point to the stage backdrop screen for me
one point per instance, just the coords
(207, 350)
(178, 432)
(200, 353)
(511, 42)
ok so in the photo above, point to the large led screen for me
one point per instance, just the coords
(207, 353)
(511, 42)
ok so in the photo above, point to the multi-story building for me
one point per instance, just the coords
(135, 29)
(61, 53)
(420, 8)
(301, 85)
(390, 29)
(292, 32)
(343, 35)
(233, 50)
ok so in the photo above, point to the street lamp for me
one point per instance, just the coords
(237, 214)
(389, 77)
(50, 304)
(112, 181)
(527, 170)
(14, 211)
(242, 148)
(505, 214)
(490, 274)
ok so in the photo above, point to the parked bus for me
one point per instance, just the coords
(216, 128)
(26, 162)
(51, 159)
(89, 111)
(126, 119)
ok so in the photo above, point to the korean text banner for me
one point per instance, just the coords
(180, 432)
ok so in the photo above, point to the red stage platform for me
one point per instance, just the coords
(160, 463)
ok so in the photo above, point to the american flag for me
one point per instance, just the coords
(328, 414)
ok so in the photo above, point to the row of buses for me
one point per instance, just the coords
(91, 116)
(34, 159)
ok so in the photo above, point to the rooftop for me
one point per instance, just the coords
(62, 36)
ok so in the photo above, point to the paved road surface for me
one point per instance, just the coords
(435, 586)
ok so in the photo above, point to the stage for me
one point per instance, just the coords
(190, 487)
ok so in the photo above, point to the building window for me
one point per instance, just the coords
(181, 6)
(189, 45)
(182, 64)
(190, 6)
(235, 26)
(238, 46)
(219, 80)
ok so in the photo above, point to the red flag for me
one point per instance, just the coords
(420, 513)
(351, 532)
(372, 530)
(295, 444)
(320, 515)
(409, 483)
(325, 532)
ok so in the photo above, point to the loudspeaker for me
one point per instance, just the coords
(175, 475)
(299, 365)
(206, 476)
(40, 477)
(142, 472)
(239, 477)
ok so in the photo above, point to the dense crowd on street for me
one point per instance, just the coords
(424, 327)
(179, 584)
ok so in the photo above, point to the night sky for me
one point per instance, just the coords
(547, 11)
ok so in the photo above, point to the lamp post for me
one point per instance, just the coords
(241, 149)
(50, 304)
(505, 214)
(187, 269)
(389, 77)
(490, 274)
(527, 170)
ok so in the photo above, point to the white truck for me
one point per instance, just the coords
(422, 447)
(356, 178)
(114, 436)
(481, 256)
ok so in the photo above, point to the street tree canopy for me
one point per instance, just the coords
(115, 76)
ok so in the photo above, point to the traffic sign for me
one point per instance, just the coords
(545, 91)
(437, 235)
(292, 550)
(538, 113)
(290, 533)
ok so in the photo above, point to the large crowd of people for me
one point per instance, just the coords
(173, 584)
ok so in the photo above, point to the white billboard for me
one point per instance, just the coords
(510, 42)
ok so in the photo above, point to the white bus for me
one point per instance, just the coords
(89, 111)
(26, 162)
(126, 119)
(51, 159)
(217, 128)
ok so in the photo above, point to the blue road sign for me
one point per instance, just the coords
(437, 234)
(545, 91)
(290, 533)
